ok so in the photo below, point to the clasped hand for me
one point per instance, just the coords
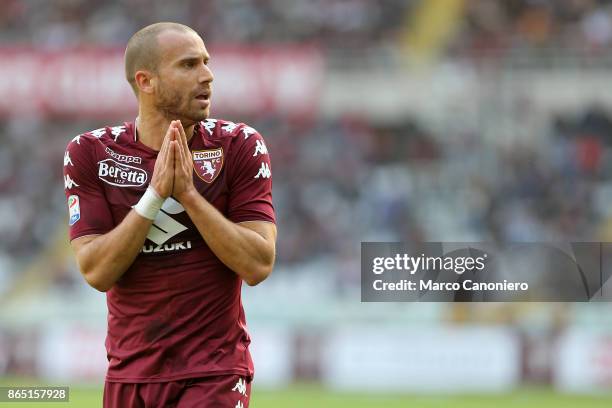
(173, 171)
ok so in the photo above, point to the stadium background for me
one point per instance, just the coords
(439, 120)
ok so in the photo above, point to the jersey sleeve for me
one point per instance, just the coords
(250, 196)
(88, 210)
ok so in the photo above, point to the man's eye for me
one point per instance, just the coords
(188, 64)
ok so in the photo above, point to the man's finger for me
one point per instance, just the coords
(184, 143)
(161, 155)
(170, 162)
(171, 154)
(163, 151)
(186, 155)
(171, 149)
(179, 155)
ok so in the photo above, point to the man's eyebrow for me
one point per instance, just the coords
(194, 58)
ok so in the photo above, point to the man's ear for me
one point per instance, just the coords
(145, 81)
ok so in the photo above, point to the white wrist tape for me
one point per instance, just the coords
(149, 204)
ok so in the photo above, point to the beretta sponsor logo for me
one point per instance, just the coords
(121, 175)
(124, 158)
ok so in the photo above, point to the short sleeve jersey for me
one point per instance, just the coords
(176, 313)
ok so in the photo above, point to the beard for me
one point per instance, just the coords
(174, 104)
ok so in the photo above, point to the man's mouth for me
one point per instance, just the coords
(204, 96)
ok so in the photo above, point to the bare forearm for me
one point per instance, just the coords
(105, 258)
(242, 250)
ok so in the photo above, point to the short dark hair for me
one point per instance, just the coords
(142, 51)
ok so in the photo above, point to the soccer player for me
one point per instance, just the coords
(168, 215)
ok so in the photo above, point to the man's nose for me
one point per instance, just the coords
(206, 74)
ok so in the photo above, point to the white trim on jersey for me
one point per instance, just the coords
(136, 129)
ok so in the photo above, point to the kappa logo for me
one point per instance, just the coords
(239, 404)
(209, 125)
(120, 175)
(264, 171)
(123, 157)
(229, 127)
(248, 131)
(240, 386)
(69, 183)
(117, 131)
(67, 160)
(208, 163)
(98, 133)
(260, 148)
(74, 209)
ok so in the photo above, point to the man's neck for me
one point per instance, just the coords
(152, 127)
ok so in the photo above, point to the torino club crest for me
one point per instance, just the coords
(208, 163)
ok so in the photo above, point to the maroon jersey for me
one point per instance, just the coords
(176, 312)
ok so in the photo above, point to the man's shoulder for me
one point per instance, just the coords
(222, 129)
(105, 135)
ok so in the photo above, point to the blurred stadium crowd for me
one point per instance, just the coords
(334, 23)
(487, 26)
(347, 178)
(531, 27)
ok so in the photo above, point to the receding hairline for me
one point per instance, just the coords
(142, 51)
